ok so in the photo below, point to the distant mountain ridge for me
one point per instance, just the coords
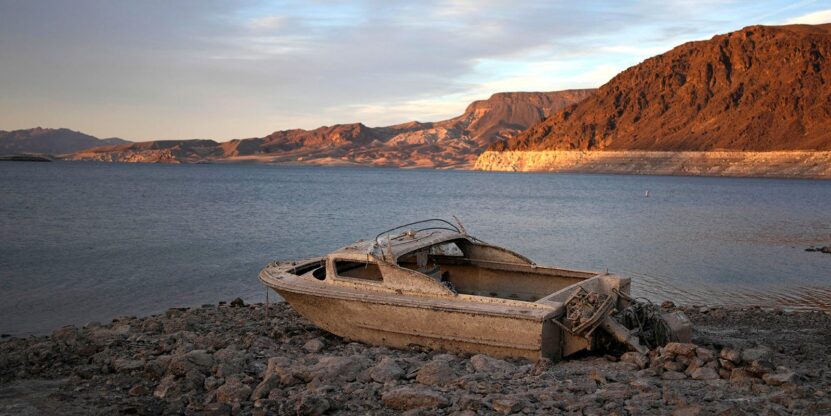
(40, 140)
(761, 88)
(449, 143)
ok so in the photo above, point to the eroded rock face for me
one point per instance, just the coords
(760, 88)
(449, 143)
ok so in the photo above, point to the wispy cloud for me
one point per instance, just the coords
(813, 18)
(266, 22)
(218, 69)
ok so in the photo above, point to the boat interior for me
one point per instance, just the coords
(466, 264)
(482, 270)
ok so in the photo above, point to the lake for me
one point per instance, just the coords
(92, 241)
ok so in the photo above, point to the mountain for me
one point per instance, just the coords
(761, 88)
(49, 141)
(450, 143)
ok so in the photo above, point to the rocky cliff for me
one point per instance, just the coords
(49, 141)
(761, 88)
(449, 143)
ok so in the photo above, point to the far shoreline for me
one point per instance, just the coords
(578, 162)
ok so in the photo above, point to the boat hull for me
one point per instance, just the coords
(527, 334)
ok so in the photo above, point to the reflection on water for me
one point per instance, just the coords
(85, 241)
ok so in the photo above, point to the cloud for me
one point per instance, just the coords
(813, 18)
(218, 69)
(266, 22)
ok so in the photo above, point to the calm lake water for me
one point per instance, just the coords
(87, 241)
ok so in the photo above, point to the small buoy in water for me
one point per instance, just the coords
(646, 194)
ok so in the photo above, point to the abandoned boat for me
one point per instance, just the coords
(429, 283)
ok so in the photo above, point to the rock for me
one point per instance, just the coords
(337, 368)
(694, 364)
(598, 377)
(493, 366)
(279, 373)
(212, 383)
(312, 405)
(237, 303)
(780, 377)
(726, 364)
(198, 360)
(406, 398)
(314, 345)
(196, 379)
(67, 335)
(673, 375)
(234, 390)
(680, 348)
(760, 353)
(216, 409)
(229, 361)
(740, 374)
(155, 369)
(667, 304)
(633, 357)
(731, 355)
(705, 354)
(506, 406)
(138, 390)
(167, 388)
(674, 366)
(704, 373)
(687, 411)
(386, 370)
(125, 366)
(436, 372)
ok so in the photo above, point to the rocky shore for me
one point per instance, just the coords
(777, 164)
(235, 360)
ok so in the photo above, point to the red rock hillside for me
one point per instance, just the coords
(450, 143)
(761, 88)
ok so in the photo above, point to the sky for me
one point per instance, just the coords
(183, 69)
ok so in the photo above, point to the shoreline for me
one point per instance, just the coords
(773, 164)
(231, 359)
(734, 164)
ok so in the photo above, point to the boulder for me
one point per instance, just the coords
(436, 372)
(493, 366)
(337, 368)
(693, 410)
(741, 374)
(406, 398)
(760, 353)
(312, 405)
(704, 373)
(167, 388)
(67, 335)
(731, 354)
(198, 360)
(633, 357)
(506, 406)
(780, 377)
(673, 375)
(123, 365)
(705, 354)
(680, 348)
(279, 373)
(234, 390)
(314, 345)
(386, 370)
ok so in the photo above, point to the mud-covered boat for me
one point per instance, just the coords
(430, 283)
